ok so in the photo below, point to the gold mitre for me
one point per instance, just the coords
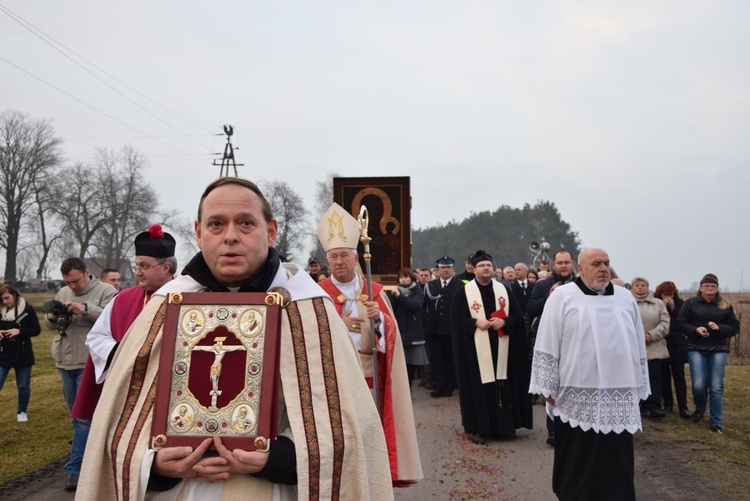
(338, 229)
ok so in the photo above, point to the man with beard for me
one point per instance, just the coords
(491, 356)
(334, 451)
(590, 366)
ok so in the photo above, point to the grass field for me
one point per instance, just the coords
(44, 438)
(29, 446)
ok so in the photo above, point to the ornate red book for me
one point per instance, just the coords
(219, 370)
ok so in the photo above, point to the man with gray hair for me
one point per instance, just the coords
(590, 366)
(155, 265)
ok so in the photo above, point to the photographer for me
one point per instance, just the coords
(84, 297)
(18, 325)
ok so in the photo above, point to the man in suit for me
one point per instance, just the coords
(438, 298)
(521, 286)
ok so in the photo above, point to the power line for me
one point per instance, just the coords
(133, 137)
(99, 111)
(42, 35)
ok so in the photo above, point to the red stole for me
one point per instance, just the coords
(126, 308)
(385, 362)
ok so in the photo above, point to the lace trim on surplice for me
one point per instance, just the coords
(604, 410)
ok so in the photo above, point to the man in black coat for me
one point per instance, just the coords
(521, 286)
(438, 298)
(491, 356)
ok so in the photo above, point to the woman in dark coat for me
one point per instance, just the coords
(708, 322)
(18, 325)
(407, 301)
(674, 368)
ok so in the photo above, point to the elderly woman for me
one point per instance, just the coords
(656, 325)
(708, 321)
(674, 367)
(407, 300)
(18, 325)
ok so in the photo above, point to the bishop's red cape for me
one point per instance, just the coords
(395, 396)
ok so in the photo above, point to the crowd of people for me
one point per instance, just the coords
(568, 333)
(495, 334)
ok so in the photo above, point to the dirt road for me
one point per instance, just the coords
(455, 468)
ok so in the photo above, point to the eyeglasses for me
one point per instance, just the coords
(145, 267)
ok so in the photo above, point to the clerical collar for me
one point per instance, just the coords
(199, 271)
(609, 290)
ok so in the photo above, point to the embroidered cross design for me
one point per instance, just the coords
(501, 303)
(476, 307)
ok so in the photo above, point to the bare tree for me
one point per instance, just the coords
(132, 203)
(289, 211)
(107, 205)
(44, 233)
(28, 149)
(82, 210)
(323, 200)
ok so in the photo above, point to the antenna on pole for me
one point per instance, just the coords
(228, 158)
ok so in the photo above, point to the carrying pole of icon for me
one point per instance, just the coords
(228, 159)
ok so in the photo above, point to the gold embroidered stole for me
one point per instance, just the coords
(481, 337)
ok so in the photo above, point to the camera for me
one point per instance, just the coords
(59, 309)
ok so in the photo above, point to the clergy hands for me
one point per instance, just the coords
(179, 462)
(549, 400)
(497, 323)
(483, 323)
(354, 324)
(237, 461)
(373, 310)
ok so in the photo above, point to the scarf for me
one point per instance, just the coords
(12, 314)
(198, 270)
(407, 291)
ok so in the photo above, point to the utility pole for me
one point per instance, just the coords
(228, 158)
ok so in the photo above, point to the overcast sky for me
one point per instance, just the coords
(632, 117)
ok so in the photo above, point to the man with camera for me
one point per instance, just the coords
(73, 313)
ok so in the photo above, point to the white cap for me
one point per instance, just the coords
(338, 229)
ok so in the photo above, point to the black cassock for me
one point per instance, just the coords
(496, 409)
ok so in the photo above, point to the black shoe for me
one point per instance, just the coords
(436, 393)
(551, 441)
(447, 393)
(716, 429)
(478, 439)
(668, 409)
(696, 416)
(71, 481)
(684, 414)
(653, 413)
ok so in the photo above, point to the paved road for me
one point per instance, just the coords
(454, 467)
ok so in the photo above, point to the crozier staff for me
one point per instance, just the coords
(339, 234)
